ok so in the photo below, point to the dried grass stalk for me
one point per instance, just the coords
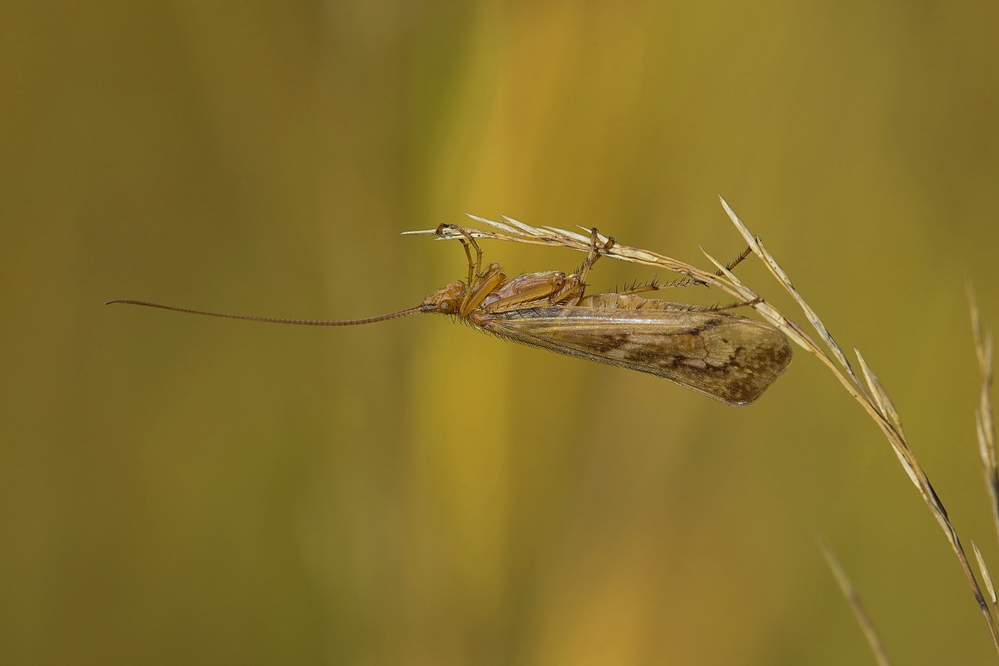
(869, 393)
(863, 619)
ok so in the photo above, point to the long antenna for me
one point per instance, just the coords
(271, 320)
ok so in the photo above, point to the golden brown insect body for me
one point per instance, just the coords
(714, 352)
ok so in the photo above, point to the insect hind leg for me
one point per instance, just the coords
(636, 288)
(738, 260)
(654, 285)
(731, 306)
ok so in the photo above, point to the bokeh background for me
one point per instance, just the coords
(176, 489)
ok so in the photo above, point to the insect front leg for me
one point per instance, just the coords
(480, 283)
(474, 268)
(484, 285)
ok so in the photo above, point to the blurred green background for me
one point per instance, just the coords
(176, 489)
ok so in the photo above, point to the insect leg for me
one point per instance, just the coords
(574, 287)
(480, 283)
(536, 290)
(484, 285)
(738, 260)
(654, 285)
(595, 249)
(474, 268)
(731, 306)
(636, 288)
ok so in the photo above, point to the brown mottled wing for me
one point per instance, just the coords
(718, 354)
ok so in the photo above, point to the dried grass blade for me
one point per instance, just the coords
(985, 431)
(987, 378)
(600, 237)
(976, 324)
(907, 466)
(579, 238)
(986, 451)
(984, 425)
(881, 397)
(880, 410)
(985, 573)
(810, 314)
(876, 402)
(525, 228)
(509, 226)
(760, 250)
(873, 385)
(511, 234)
(863, 619)
(797, 334)
(983, 351)
(936, 507)
(418, 232)
(451, 234)
(751, 239)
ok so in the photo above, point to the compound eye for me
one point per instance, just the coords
(447, 306)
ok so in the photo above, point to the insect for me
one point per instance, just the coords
(711, 351)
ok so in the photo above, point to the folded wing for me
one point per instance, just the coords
(715, 353)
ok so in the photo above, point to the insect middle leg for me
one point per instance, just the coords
(596, 248)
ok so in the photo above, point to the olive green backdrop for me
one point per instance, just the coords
(176, 489)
